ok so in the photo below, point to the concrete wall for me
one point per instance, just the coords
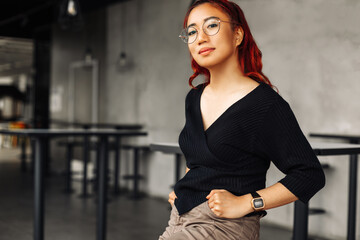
(69, 47)
(153, 91)
(310, 52)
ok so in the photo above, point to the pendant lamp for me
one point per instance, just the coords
(70, 16)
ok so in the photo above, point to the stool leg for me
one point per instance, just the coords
(136, 174)
(68, 188)
(84, 193)
(117, 166)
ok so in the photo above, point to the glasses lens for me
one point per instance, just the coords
(191, 34)
(183, 35)
(211, 26)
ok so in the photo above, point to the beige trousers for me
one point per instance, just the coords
(201, 223)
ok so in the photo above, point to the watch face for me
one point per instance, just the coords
(258, 203)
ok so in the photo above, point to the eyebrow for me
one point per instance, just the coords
(194, 24)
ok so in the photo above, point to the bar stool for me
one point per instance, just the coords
(135, 176)
(70, 145)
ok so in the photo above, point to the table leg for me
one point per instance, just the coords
(23, 153)
(97, 167)
(39, 190)
(46, 156)
(117, 166)
(84, 193)
(102, 190)
(300, 228)
(33, 147)
(68, 188)
(136, 194)
(351, 231)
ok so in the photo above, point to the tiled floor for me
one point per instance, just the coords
(69, 217)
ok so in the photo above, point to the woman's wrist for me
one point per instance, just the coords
(245, 204)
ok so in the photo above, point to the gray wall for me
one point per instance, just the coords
(310, 52)
(68, 47)
(153, 91)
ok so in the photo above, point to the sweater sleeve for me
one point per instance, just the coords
(282, 142)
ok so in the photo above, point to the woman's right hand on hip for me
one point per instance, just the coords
(172, 197)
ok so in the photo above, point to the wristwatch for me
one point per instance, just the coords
(257, 203)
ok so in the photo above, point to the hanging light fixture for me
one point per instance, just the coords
(88, 55)
(72, 8)
(70, 16)
(123, 61)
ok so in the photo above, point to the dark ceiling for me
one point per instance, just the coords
(27, 18)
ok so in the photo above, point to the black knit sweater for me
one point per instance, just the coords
(234, 153)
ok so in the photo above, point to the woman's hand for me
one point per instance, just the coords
(172, 197)
(227, 205)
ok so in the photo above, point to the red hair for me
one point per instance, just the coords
(248, 52)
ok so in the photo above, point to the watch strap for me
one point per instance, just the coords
(255, 195)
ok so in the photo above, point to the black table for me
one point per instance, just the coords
(98, 125)
(300, 229)
(353, 172)
(41, 136)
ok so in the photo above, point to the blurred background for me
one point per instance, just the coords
(116, 61)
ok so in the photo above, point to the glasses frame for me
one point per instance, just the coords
(183, 34)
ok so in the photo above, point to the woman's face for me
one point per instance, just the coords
(221, 46)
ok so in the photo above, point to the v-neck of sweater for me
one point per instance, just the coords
(227, 110)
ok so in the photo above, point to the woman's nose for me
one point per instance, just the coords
(202, 36)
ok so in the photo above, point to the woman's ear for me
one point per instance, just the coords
(239, 35)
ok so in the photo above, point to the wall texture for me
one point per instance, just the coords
(310, 52)
(69, 47)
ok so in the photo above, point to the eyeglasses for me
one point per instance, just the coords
(210, 27)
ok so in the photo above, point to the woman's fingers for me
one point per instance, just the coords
(172, 197)
(214, 192)
(210, 194)
(211, 205)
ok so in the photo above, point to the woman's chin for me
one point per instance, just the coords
(206, 64)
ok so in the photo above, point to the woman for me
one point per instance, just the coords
(235, 125)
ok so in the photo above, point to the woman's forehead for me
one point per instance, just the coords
(204, 11)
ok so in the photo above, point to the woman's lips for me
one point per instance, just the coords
(206, 51)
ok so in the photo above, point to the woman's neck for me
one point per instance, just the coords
(227, 76)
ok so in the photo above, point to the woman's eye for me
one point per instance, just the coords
(191, 33)
(212, 25)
